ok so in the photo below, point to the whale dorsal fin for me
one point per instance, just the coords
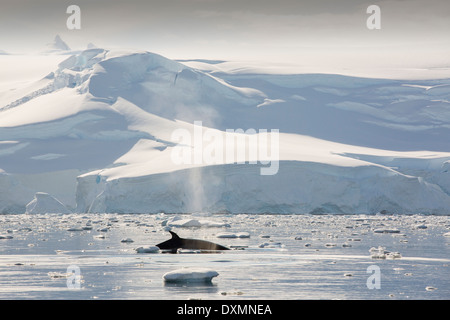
(174, 235)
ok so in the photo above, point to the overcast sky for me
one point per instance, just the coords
(230, 29)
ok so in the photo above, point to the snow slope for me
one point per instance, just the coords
(97, 133)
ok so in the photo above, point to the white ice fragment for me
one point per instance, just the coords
(194, 223)
(127, 240)
(150, 249)
(188, 251)
(58, 275)
(393, 255)
(430, 288)
(447, 234)
(346, 245)
(75, 229)
(386, 230)
(378, 253)
(243, 235)
(190, 275)
(271, 245)
(5, 237)
(232, 235)
(228, 235)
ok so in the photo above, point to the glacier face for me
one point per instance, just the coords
(97, 134)
(299, 187)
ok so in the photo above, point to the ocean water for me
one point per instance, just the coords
(286, 257)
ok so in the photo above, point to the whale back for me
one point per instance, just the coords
(176, 243)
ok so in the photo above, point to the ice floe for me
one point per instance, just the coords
(232, 235)
(386, 230)
(150, 249)
(271, 245)
(382, 253)
(180, 222)
(190, 275)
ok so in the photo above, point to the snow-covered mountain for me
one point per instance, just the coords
(97, 133)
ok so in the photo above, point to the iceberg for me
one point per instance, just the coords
(45, 203)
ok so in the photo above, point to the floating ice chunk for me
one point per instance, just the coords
(150, 249)
(393, 255)
(127, 240)
(5, 237)
(236, 293)
(271, 245)
(179, 222)
(75, 229)
(229, 235)
(298, 238)
(430, 288)
(386, 230)
(346, 245)
(378, 253)
(188, 251)
(373, 249)
(58, 275)
(190, 275)
(184, 223)
(421, 226)
(243, 235)
(447, 234)
(238, 247)
(232, 235)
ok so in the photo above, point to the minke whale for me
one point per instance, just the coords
(176, 243)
